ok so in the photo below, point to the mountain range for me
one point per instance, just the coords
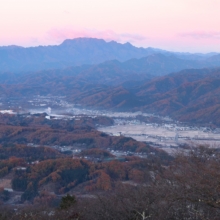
(117, 76)
(70, 53)
(82, 51)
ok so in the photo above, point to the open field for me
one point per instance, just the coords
(159, 131)
(164, 135)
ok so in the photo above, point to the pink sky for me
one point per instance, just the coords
(177, 25)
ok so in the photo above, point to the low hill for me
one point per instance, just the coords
(189, 95)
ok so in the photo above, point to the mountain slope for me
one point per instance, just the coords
(188, 95)
(111, 72)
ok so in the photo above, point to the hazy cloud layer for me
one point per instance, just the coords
(202, 35)
(58, 35)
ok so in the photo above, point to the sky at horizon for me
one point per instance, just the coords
(180, 25)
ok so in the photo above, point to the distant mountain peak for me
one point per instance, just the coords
(12, 46)
(128, 45)
(82, 40)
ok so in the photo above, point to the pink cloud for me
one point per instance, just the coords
(58, 35)
(202, 35)
(66, 12)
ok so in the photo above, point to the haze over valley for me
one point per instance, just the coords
(110, 111)
(88, 117)
(181, 86)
